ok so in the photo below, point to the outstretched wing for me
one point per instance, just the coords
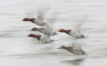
(79, 26)
(41, 12)
(53, 17)
(48, 30)
(40, 15)
(76, 45)
(49, 25)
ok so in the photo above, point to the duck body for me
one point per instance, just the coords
(39, 22)
(47, 31)
(74, 50)
(36, 21)
(73, 33)
(44, 39)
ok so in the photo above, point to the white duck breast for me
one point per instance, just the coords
(74, 50)
(75, 34)
(45, 39)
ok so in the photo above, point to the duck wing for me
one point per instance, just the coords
(50, 23)
(40, 15)
(52, 19)
(80, 24)
(48, 30)
(42, 12)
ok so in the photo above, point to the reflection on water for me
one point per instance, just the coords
(76, 61)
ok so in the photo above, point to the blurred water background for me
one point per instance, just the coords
(17, 49)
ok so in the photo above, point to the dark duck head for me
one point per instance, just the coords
(29, 19)
(35, 36)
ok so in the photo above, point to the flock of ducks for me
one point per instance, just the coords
(48, 32)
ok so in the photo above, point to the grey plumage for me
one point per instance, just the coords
(73, 49)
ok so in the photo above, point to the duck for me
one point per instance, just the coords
(73, 33)
(44, 39)
(46, 31)
(48, 28)
(35, 21)
(75, 50)
(39, 20)
(76, 32)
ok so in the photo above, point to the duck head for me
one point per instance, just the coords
(35, 29)
(34, 35)
(63, 30)
(29, 19)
